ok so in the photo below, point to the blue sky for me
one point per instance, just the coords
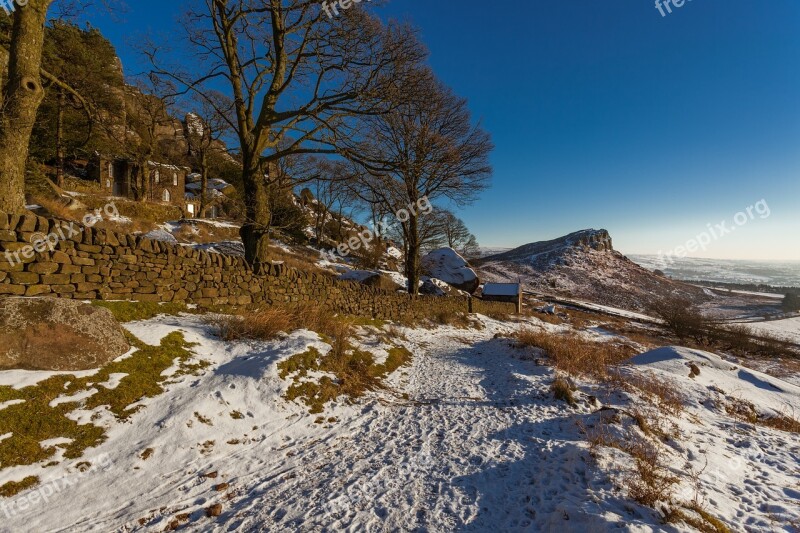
(606, 114)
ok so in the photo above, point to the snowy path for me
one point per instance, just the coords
(489, 450)
(472, 441)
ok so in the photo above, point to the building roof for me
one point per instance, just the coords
(502, 289)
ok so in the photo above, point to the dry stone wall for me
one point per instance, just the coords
(86, 263)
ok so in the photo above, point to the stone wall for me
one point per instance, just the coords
(86, 263)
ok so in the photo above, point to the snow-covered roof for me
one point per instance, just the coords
(501, 289)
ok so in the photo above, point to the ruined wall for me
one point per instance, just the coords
(71, 261)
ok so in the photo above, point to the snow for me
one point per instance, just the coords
(161, 235)
(613, 311)
(786, 329)
(356, 275)
(467, 438)
(447, 265)
(19, 379)
(716, 373)
(501, 289)
(113, 380)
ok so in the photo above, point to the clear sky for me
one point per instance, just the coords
(607, 114)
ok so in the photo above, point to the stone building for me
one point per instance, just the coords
(118, 177)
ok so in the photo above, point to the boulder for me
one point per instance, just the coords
(447, 265)
(434, 287)
(57, 334)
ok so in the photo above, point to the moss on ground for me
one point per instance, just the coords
(13, 488)
(35, 420)
(125, 311)
(355, 373)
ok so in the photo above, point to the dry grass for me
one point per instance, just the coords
(696, 517)
(661, 392)
(563, 391)
(268, 323)
(78, 185)
(455, 319)
(651, 482)
(57, 208)
(575, 355)
(746, 412)
(300, 259)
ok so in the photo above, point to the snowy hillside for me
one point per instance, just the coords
(468, 437)
(584, 265)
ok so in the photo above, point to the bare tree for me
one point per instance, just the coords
(296, 77)
(149, 128)
(425, 149)
(205, 129)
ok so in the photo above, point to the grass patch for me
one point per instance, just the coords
(575, 355)
(125, 311)
(12, 488)
(697, 517)
(352, 372)
(35, 420)
(269, 322)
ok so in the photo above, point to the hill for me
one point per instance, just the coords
(584, 265)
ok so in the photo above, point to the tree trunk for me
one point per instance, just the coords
(23, 94)
(203, 184)
(255, 231)
(413, 256)
(144, 180)
(62, 98)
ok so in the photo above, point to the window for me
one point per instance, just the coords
(190, 207)
(108, 184)
(165, 197)
(157, 176)
(175, 179)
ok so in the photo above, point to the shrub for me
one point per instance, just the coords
(681, 318)
(791, 302)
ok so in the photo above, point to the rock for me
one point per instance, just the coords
(447, 265)
(434, 287)
(214, 510)
(56, 334)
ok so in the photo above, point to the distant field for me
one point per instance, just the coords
(773, 273)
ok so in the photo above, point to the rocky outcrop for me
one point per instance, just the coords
(542, 252)
(584, 265)
(51, 334)
(447, 265)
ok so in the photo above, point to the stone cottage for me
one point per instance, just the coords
(117, 177)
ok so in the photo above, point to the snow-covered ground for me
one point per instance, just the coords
(786, 329)
(467, 438)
